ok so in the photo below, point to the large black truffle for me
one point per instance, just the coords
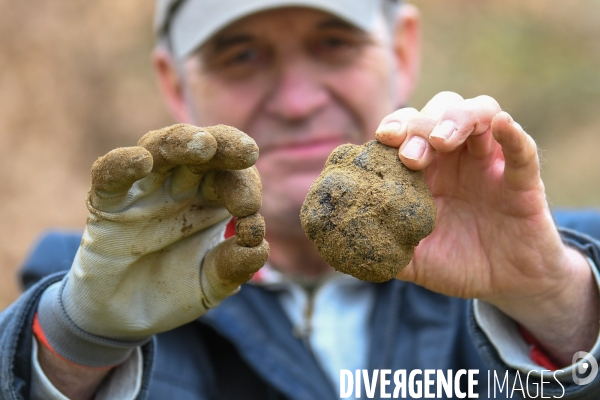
(366, 212)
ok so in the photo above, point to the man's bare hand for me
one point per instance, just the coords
(495, 238)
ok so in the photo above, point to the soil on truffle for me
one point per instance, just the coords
(366, 212)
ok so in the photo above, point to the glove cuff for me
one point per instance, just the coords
(72, 343)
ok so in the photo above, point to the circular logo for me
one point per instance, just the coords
(587, 365)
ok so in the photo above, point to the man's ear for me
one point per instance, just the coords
(407, 50)
(170, 84)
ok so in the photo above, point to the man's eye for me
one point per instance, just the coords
(334, 43)
(336, 48)
(244, 56)
(239, 61)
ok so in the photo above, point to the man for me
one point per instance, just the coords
(300, 77)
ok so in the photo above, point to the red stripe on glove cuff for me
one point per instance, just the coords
(41, 337)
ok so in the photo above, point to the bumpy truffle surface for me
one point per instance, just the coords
(366, 212)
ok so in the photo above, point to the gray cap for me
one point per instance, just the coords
(191, 22)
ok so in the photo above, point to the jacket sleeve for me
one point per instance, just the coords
(51, 257)
(16, 338)
(587, 243)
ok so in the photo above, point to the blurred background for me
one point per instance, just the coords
(75, 82)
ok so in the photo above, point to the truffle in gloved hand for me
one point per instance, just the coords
(152, 257)
(366, 212)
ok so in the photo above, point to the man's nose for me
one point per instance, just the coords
(297, 93)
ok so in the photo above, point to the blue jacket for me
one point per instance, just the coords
(245, 349)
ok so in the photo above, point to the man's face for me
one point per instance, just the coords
(300, 82)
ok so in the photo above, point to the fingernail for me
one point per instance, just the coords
(444, 130)
(415, 148)
(393, 126)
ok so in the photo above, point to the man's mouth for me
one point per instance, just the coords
(306, 148)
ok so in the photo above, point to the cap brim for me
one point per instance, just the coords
(195, 21)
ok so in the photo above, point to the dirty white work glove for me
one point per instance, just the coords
(152, 256)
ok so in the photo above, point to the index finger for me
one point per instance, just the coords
(201, 149)
(178, 144)
(235, 150)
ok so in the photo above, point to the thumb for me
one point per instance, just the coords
(229, 265)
